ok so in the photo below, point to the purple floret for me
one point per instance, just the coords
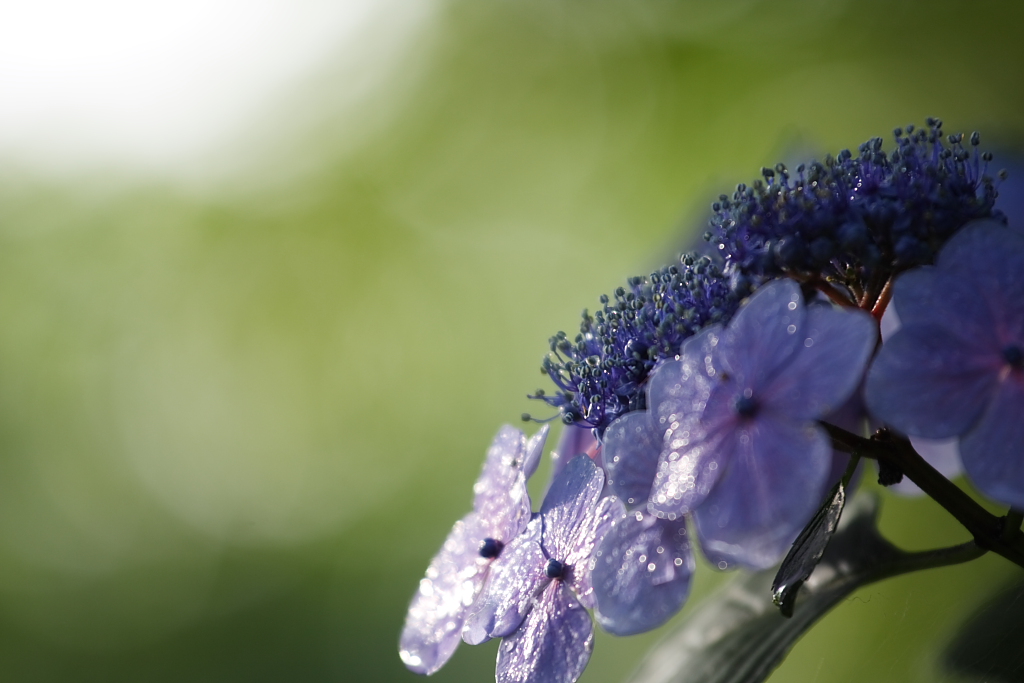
(501, 511)
(539, 588)
(644, 565)
(743, 451)
(955, 368)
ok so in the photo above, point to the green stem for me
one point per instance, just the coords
(1001, 535)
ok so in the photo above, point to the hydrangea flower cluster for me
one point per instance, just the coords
(703, 405)
(599, 374)
(854, 220)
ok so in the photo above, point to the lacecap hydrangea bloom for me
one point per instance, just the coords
(730, 437)
(696, 402)
(955, 368)
(501, 511)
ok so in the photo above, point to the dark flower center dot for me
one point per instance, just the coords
(555, 569)
(490, 548)
(745, 406)
(1014, 356)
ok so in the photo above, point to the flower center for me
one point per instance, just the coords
(745, 406)
(555, 569)
(490, 548)
(1014, 356)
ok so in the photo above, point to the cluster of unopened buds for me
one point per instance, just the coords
(715, 404)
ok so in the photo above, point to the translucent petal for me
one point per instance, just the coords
(933, 297)
(774, 482)
(642, 573)
(588, 536)
(504, 462)
(632, 446)
(501, 496)
(991, 257)
(926, 382)
(691, 461)
(573, 441)
(703, 347)
(889, 323)
(554, 643)
(680, 387)
(534, 449)
(993, 451)
(433, 625)
(515, 578)
(762, 335)
(827, 366)
(851, 416)
(569, 506)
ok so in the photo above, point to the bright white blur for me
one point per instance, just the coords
(153, 84)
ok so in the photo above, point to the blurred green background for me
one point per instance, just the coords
(238, 417)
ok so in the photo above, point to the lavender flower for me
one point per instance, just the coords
(501, 511)
(539, 587)
(600, 374)
(742, 450)
(955, 368)
(573, 441)
(854, 220)
(644, 564)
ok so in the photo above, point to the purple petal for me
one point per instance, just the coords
(679, 387)
(690, 464)
(765, 331)
(851, 416)
(502, 465)
(573, 441)
(642, 573)
(515, 578)
(774, 482)
(588, 536)
(433, 625)
(501, 497)
(926, 382)
(569, 506)
(933, 297)
(827, 365)
(992, 451)
(552, 646)
(534, 449)
(943, 455)
(889, 323)
(632, 446)
(991, 257)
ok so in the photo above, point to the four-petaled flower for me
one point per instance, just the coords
(501, 511)
(955, 368)
(539, 587)
(742, 450)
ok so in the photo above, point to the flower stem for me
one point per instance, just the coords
(1001, 535)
